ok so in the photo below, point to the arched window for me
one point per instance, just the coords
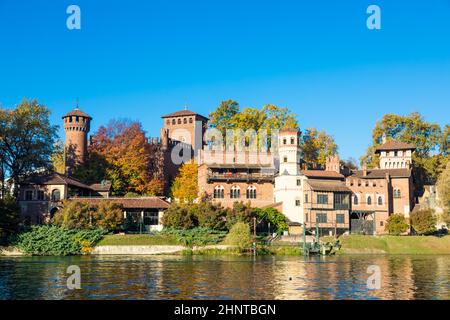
(355, 199)
(284, 141)
(235, 192)
(56, 195)
(184, 120)
(190, 120)
(173, 121)
(179, 121)
(219, 192)
(292, 141)
(397, 193)
(251, 192)
(380, 200)
(369, 200)
(285, 159)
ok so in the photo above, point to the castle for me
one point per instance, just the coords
(335, 200)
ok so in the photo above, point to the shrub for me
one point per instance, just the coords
(108, 216)
(57, 241)
(239, 236)
(180, 217)
(396, 224)
(271, 215)
(81, 215)
(241, 212)
(211, 216)
(196, 236)
(9, 220)
(423, 221)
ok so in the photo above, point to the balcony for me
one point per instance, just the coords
(240, 177)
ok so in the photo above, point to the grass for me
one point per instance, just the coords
(138, 240)
(395, 244)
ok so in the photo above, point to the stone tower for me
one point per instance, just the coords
(289, 151)
(76, 126)
(395, 154)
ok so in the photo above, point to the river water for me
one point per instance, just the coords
(226, 277)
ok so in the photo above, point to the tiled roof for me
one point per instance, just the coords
(395, 145)
(381, 173)
(328, 186)
(55, 178)
(77, 112)
(183, 113)
(131, 203)
(322, 174)
(103, 186)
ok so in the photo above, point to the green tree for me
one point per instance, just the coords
(396, 224)
(443, 186)
(271, 215)
(423, 221)
(9, 219)
(58, 158)
(75, 215)
(222, 117)
(211, 215)
(180, 216)
(241, 212)
(317, 146)
(27, 139)
(239, 236)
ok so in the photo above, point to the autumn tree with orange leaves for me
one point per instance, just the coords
(119, 152)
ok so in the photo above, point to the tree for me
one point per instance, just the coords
(74, 215)
(120, 153)
(26, 139)
(211, 215)
(222, 117)
(108, 216)
(58, 158)
(241, 212)
(239, 236)
(180, 216)
(185, 185)
(317, 146)
(423, 221)
(9, 219)
(413, 129)
(350, 163)
(443, 187)
(396, 224)
(271, 215)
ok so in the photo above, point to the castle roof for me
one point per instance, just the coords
(329, 186)
(77, 112)
(55, 178)
(183, 113)
(394, 145)
(322, 174)
(381, 173)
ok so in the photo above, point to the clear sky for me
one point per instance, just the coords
(142, 59)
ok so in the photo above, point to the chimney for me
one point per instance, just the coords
(364, 170)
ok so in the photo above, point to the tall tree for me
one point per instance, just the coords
(222, 117)
(427, 137)
(26, 139)
(443, 186)
(185, 186)
(317, 146)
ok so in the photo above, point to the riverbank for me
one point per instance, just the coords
(412, 245)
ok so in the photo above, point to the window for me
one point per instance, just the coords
(341, 201)
(340, 218)
(380, 200)
(70, 119)
(306, 198)
(381, 223)
(299, 182)
(251, 192)
(306, 217)
(397, 193)
(374, 184)
(284, 141)
(56, 195)
(355, 200)
(235, 192)
(322, 199)
(150, 218)
(40, 195)
(219, 192)
(292, 141)
(369, 200)
(173, 121)
(285, 159)
(179, 121)
(184, 120)
(297, 203)
(321, 218)
(77, 119)
(367, 183)
(395, 153)
(190, 120)
(28, 195)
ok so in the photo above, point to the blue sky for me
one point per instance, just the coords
(142, 59)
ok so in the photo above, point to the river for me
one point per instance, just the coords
(226, 277)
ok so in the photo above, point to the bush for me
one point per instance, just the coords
(9, 219)
(57, 241)
(240, 212)
(396, 224)
(271, 215)
(196, 236)
(211, 215)
(423, 221)
(180, 217)
(81, 215)
(239, 236)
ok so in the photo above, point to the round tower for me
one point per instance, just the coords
(76, 125)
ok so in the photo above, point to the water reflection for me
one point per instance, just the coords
(226, 277)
